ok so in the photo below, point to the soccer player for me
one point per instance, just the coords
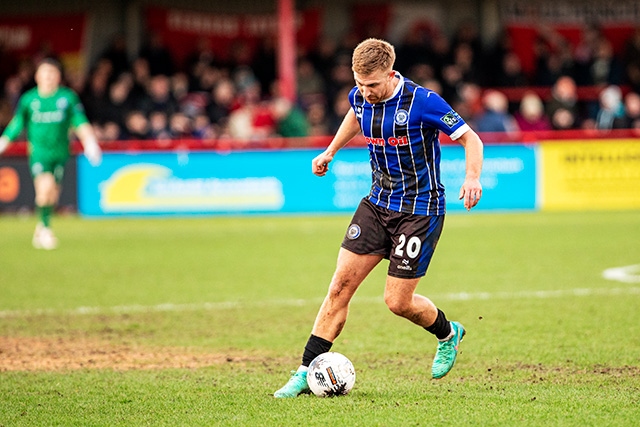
(48, 112)
(402, 217)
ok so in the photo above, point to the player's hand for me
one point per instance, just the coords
(4, 143)
(470, 192)
(93, 154)
(320, 165)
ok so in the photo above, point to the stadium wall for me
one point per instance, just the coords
(556, 171)
(541, 175)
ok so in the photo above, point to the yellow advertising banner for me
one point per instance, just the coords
(588, 175)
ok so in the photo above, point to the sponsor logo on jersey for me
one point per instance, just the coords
(353, 232)
(451, 118)
(392, 141)
(358, 109)
(401, 117)
(47, 116)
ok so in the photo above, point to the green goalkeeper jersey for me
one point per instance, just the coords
(47, 120)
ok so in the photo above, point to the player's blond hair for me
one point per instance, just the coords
(373, 55)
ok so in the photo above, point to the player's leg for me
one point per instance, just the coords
(351, 270)
(46, 182)
(402, 300)
(362, 249)
(414, 243)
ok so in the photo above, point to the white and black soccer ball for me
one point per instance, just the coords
(331, 374)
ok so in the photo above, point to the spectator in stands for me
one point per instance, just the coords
(110, 131)
(339, 107)
(554, 63)
(496, 116)
(341, 77)
(159, 126)
(611, 112)
(179, 86)
(432, 84)
(564, 95)
(201, 127)
(118, 101)
(141, 78)
(180, 126)
(464, 58)
(471, 97)
(290, 119)
(511, 74)
(452, 80)
(309, 82)
(606, 68)
(158, 96)
(631, 59)
(632, 111)
(584, 54)
(12, 91)
(264, 63)
(222, 102)
(95, 96)
(323, 57)
(494, 59)
(318, 120)
(420, 71)
(563, 119)
(136, 126)
(253, 119)
(531, 115)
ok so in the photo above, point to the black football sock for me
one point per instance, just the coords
(441, 328)
(315, 346)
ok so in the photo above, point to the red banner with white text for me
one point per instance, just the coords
(35, 36)
(229, 36)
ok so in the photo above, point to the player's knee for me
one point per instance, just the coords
(337, 288)
(398, 306)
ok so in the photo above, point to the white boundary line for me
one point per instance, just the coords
(628, 274)
(212, 306)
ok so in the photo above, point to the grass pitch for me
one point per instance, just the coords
(197, 321)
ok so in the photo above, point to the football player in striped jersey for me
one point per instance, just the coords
(402, 217)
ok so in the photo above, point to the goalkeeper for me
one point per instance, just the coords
(48, 112)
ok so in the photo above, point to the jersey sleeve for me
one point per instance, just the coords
(78, 116)
(17, 123)
(438, 113)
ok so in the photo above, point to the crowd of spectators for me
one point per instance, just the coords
(153, 97)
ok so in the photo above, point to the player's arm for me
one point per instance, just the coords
(84, 131)
(89, 143)
(471, 190)
(15, 126)
(347, 130)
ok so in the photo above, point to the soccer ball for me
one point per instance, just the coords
(331, 374)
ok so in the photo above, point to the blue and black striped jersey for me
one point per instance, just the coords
(402, 136)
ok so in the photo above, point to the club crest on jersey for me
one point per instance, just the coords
(451, 118)
(61, 103)
(401, 117)
(353, 232)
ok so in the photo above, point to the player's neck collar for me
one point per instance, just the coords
(399, 83)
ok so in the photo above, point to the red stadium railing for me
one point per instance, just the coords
(319, 142)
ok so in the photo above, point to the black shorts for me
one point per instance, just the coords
(406, 240)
